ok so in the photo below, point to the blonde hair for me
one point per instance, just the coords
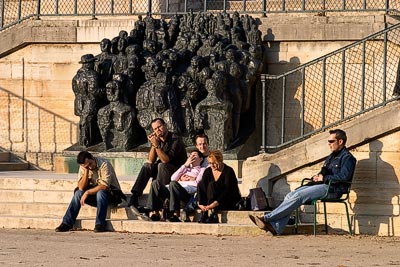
(216, 155)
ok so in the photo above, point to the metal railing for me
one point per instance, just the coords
(331, 89)
(14, 11)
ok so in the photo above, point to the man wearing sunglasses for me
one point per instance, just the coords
(338, 167)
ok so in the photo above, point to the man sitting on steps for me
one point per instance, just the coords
(98, 186)
(167, 154)
(339, 167)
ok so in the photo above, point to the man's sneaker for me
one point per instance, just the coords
(63, 228)
(99, 228)
(262, 224)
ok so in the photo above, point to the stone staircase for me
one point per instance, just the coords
(9, 162)
(38, 200)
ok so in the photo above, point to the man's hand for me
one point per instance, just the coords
(155, 142)
(83, 198)
(318, 178)
(186, 177)
(190, 160)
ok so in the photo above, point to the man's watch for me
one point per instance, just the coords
(157, 147)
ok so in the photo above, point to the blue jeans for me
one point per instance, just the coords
(279, 217)
(100, 200)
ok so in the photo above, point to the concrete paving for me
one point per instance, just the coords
(84, 248)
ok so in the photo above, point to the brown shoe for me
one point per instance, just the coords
(262, 224)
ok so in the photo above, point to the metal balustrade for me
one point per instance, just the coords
(331, 89)
(14, 11)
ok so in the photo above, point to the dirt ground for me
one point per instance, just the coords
(84, 248)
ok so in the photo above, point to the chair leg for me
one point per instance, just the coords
(326, 219)
(296, 221)
(315, 218)
(348, 218)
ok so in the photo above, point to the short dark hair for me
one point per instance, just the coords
(157, 119)
(82, 156)
(201, 136)
(198, 152)
(340, 134)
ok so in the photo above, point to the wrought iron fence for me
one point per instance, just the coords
(331, 89)
(15, 11)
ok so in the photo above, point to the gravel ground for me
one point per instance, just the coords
(28, 247)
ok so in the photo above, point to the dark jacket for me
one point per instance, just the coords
(175, 149)
(339, 167)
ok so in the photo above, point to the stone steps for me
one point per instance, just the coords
(138, 226)
(8, 163)
(34, 199)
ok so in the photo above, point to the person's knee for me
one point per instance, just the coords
(78, 194)
(147, 166)
(174, 185)
(101, 195)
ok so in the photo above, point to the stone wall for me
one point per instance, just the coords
(39, 58)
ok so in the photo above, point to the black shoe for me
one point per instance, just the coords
(213, 218)
(99, 228)
(204, 217)
(155, 217)
(63, 228)
(174, 218)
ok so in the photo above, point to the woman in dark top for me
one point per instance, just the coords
(218, 189)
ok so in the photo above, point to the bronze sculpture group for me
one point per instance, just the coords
(198, 72)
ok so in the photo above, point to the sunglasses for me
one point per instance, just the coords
(331, 141)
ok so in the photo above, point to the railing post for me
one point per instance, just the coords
(303, 99)
(264, 7)
(263, 114)
(112, 7)
(363, 78)
(283, 110)
(37, 10)
(19, 9)
(149, 7)
(2, 14)
(283, 5)
(323, 93)
(94, 10)
(75, 7)
(56, 7)
(303, 5)
(167, 6)
(185, 7)
(387, 6)
(344, 5)
(130, 7)
(365, 4)
(205, 6)
(385, 40)
(244, 5)
(343, 84)
(224, 6)
(323, 4)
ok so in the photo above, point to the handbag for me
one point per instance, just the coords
(116, 196)
(257, 199)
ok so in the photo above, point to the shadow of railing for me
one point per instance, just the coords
(28, 127)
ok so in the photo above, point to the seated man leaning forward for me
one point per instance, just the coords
(181, 188)
(339, 166)
(166, 154)
(98, 186)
